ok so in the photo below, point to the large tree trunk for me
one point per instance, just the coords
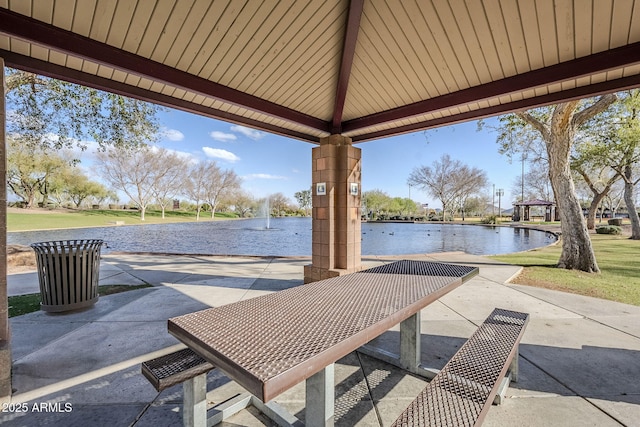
(629, 201)
(577, 252)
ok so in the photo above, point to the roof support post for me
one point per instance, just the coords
(336, 236)
(5, 336)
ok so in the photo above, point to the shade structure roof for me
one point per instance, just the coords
(534, 202)
(307, 69)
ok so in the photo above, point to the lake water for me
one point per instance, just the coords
(292, 237)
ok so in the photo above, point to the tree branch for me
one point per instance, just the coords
(537, 124)
(598, 107)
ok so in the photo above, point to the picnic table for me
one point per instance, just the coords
(270, 343)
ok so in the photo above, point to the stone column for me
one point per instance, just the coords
(5, 336)
(336, 175)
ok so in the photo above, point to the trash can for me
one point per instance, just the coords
(68, 272)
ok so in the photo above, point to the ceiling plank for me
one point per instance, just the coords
(576, 93)
(348, 51)
(31, 30)
(32, 65)
(599, 62)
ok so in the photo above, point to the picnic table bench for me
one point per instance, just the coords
(270, 343)
(462, 392)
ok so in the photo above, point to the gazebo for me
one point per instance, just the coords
(333, 73)
(550, 212)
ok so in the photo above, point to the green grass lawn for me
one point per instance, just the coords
(23, 304)
(617, 258)
(18, 221)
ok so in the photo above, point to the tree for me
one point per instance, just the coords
(30, 170)
(279, 204)
(51, 113)
(304, 200)
(599, 183)
(450, 181)
(171, 167)
(376, 202)
(194, 186)
(79, 188)
(557, 127)
(617, 145)
(244, 203)
(219, 184)
(135, 171)
(536, 183)
(613, 199)
(476, 206)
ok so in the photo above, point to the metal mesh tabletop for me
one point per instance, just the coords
(270, 343)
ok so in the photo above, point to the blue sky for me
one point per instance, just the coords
(270, 163)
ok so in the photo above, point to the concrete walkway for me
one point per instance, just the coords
(580, 357)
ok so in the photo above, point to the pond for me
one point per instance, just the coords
(292, 237)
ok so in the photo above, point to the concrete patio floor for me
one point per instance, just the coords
(579, 366)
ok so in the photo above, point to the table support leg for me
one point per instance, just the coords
(410, 343)
(320, 398)
(409, 357)
(194, 405)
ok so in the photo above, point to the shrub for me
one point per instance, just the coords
(491, 219)
(609, 229)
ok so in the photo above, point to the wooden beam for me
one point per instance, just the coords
(582, 92)
(348, 51)
(579, 67)
(59, 72)
(40, 33)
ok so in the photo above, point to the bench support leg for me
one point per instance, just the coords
(512, 375)
(513, 368)
(410, 343)
(194, 412)
(320, 398)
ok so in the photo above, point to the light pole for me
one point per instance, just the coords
(499, 193)
(522, 179)
(493, 205)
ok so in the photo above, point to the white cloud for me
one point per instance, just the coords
(218, 153)
(248, 132)
(222, 137)
(264, 176)
(172, 134)
(182, 154)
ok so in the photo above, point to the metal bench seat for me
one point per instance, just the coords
(175, 368)
(186, 367)
(462, 393)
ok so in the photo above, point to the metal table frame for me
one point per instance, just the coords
(270, 343)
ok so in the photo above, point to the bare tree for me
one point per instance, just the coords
(613, 199)
(243, 203)
(470, 182)
(279, 203)
(450, 181)
(536, 183)
(136, 171)
(170, 182)
(194, 185)
(219, 184)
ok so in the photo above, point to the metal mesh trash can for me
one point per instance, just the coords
(68, 271)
